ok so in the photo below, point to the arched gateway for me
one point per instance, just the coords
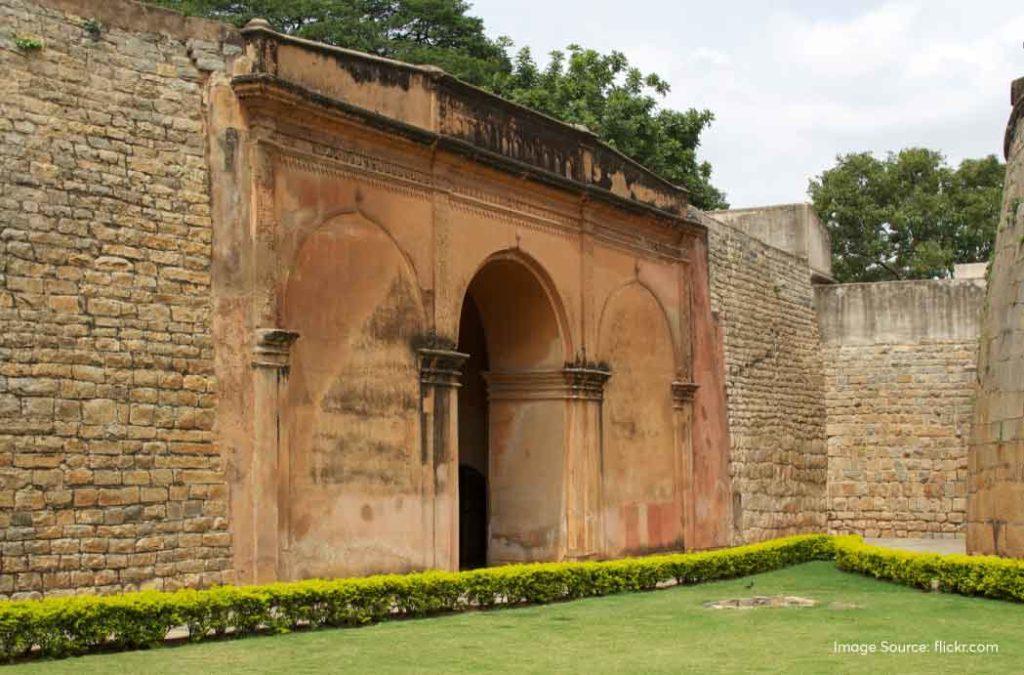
(511, 415)
(452, 332)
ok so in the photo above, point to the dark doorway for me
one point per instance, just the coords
(472, 518)
(473, 441)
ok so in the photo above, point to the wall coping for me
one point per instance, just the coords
(899, 312)
(131, 15)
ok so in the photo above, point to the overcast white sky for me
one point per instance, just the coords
(794, 83)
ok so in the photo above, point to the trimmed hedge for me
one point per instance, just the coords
(80, 624)
(56, 627)
(987, 576)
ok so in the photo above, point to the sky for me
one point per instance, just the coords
(793, 84)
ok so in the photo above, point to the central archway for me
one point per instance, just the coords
(511, 422)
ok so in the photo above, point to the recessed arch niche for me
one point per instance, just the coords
(640, 483)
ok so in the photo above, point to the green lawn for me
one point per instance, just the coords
(663, 631)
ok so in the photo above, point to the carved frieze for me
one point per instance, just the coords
(324, 150)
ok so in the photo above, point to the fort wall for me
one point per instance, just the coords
(995, 504)
(109, 475)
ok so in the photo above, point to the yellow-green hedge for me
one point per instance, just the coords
(82, 624)
(987, 576)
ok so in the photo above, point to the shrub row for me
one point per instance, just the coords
(80, 624)
(987, 576)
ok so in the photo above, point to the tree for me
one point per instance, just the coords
(909, 216)
(600, 91)
(618, 102)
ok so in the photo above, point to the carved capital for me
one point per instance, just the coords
(586, 380)
(441, 367)
(271, 347)
(574, 382)
(682, 392)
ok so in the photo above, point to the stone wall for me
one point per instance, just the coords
(996, 466)
(763, 299)
(109, 479)
(899, 361)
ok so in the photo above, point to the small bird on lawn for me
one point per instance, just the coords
(749, 585)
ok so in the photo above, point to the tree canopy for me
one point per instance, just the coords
(908, 216)
(601, 91)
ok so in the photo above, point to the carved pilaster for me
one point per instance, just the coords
(682, 401)
(440, 372)
(270, 462)
(576, 391)
(586, 380)
(271, 348)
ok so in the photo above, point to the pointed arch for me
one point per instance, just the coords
(336, 218)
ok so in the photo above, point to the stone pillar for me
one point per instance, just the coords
(440, 370)
(682, 416)
(584, 493)
(269, 470)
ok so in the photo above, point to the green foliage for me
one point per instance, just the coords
(93, 27)
(987, 576)
(619, 103)
(27, 43)
(909, 216)
(601, 91)
(77, 625)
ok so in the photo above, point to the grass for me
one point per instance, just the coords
(663, 631)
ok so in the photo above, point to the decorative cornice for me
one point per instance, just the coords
(475, 111)
(441, 367)
(343, 162)
(256, 89)
(272, 347)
